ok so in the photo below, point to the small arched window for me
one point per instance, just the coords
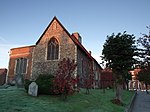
(53, 49)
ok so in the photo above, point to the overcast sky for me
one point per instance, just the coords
(23, 21)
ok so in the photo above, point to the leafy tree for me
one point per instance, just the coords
(144, 54)
(65, 80)
(118, 52)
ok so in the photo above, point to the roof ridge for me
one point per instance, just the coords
(54, 18)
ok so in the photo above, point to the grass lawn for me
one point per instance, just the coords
(17, 100)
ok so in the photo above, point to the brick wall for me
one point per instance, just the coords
(107, 79)
(22, 52)
(3, 73)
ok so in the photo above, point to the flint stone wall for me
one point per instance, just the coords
(66, 50)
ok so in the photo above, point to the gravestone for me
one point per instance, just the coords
(19, 80)
(33, 89)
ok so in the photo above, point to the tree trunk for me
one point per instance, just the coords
(127, 84)
(103, 90)
(119, 89)
(113, 87)
(87, 91)
(64, 95)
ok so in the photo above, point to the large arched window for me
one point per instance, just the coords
(53, 49)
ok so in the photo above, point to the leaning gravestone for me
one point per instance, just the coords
(33, 89)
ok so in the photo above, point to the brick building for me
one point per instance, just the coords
(54, 44)
(135, 83)
(3, 72)
(107, 78)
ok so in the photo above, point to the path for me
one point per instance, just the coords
(142, 102)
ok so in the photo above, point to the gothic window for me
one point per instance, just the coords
(21, 66)
(53, 49)
(17, 65)
(24, 65)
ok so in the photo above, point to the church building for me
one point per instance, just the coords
(55, 44)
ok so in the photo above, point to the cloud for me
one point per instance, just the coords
(2, 40)
(5, 47)
(4, 54)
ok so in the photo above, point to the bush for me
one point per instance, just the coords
(45, 84)
(27, 82)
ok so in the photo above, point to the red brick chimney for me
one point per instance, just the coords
(90, 52)
(78, 37)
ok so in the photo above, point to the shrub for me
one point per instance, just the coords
(45, 84)
(27, 82)
(65, 81)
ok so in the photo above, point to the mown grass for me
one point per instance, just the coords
(17, 100)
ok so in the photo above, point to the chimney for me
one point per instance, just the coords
(90, 52)
(78, 37)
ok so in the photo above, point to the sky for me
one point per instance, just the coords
(23, 21)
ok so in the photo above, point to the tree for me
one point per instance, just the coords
(144, 54)
(118, 52)
(65, 80)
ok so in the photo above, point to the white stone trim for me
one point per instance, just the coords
(6, 80)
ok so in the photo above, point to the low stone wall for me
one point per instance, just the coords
(130, 106)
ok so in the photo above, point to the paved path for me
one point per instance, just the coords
(142, 102)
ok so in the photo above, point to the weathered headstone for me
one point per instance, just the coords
(19, 80)
(33, 89)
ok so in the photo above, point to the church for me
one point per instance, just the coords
(55, 44)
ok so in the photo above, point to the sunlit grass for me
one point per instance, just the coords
(18, 100)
